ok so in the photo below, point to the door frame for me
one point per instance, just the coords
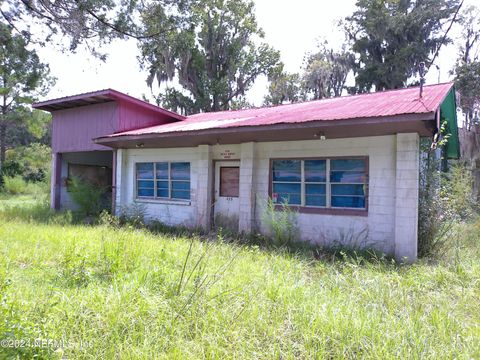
(214, 184)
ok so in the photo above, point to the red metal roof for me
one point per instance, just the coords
(101, 96)
(372, 105)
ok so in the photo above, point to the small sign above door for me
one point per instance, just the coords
(227, 154)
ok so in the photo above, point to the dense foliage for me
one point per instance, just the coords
(22, 77)
(390, 38)
(214, 52)
(467, 68)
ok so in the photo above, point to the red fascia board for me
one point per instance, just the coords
(318, 125)
(114, 95)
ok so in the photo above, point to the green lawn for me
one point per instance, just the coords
(127, 293)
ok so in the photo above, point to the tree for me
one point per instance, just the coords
(284, 88)
(79, 21)
(326, 72)
(213, 53)
(467, 68)
(22, 78)
(391, 37)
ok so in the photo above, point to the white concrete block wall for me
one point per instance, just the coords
(204, 186)
(168, 212)
(375, 230)
(247, 187)
(406, 195)
(389, 226)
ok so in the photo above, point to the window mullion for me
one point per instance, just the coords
(154, 179)
(328, 190)
(302, 183)
(169, 181)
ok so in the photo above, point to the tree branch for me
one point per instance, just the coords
(445, 35)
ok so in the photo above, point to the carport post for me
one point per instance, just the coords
(56, 181)
(114, 179)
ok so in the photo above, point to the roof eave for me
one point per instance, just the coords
(389, 122)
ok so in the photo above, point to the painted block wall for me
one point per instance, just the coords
(85, 123)
(378, 229)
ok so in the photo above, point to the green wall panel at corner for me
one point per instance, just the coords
(448, 112)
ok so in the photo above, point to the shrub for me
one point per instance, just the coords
(457, 192)
(34, 175)
(444, 199)
(91, 199)
(133, 214)
(11, 168)
(281, 223)
(14, 185)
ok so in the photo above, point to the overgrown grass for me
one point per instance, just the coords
(128, 293)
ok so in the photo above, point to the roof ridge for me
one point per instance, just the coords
(321, 100)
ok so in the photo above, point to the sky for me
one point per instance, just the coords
(292, 27)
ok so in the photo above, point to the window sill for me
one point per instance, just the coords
(326, 211)
(164, 201)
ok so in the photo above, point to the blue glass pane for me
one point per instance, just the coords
(315, 170)
(287, 193)
(145, 171)
(145, 192)
(314, 189)
(179, 194)
(315, 200)
(162, 170)
(162, 185)
(145, 184)
(348, 190)
(348, 164)
(181, 185)
(348, 201)
(163, 193)
(286, 170)
(347, 176)
(180, 171)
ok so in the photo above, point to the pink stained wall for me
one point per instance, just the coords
(134, 117)
(73, 129)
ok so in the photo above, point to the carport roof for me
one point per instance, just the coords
(98, 97)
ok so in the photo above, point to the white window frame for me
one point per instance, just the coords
(328, 184)
(169, 180)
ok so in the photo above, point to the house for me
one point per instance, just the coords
(349, 166)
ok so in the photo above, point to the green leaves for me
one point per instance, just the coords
(467, 69)
(391, 37)
(214, 53)
(22, 77)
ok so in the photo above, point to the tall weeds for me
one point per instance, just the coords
(281, 223)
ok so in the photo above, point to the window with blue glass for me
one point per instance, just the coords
(163, 180)
(322, 183)
(348, 183)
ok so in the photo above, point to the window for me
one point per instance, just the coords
(163, 180)
(320, 183)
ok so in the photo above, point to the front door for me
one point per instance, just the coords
(227, 191)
